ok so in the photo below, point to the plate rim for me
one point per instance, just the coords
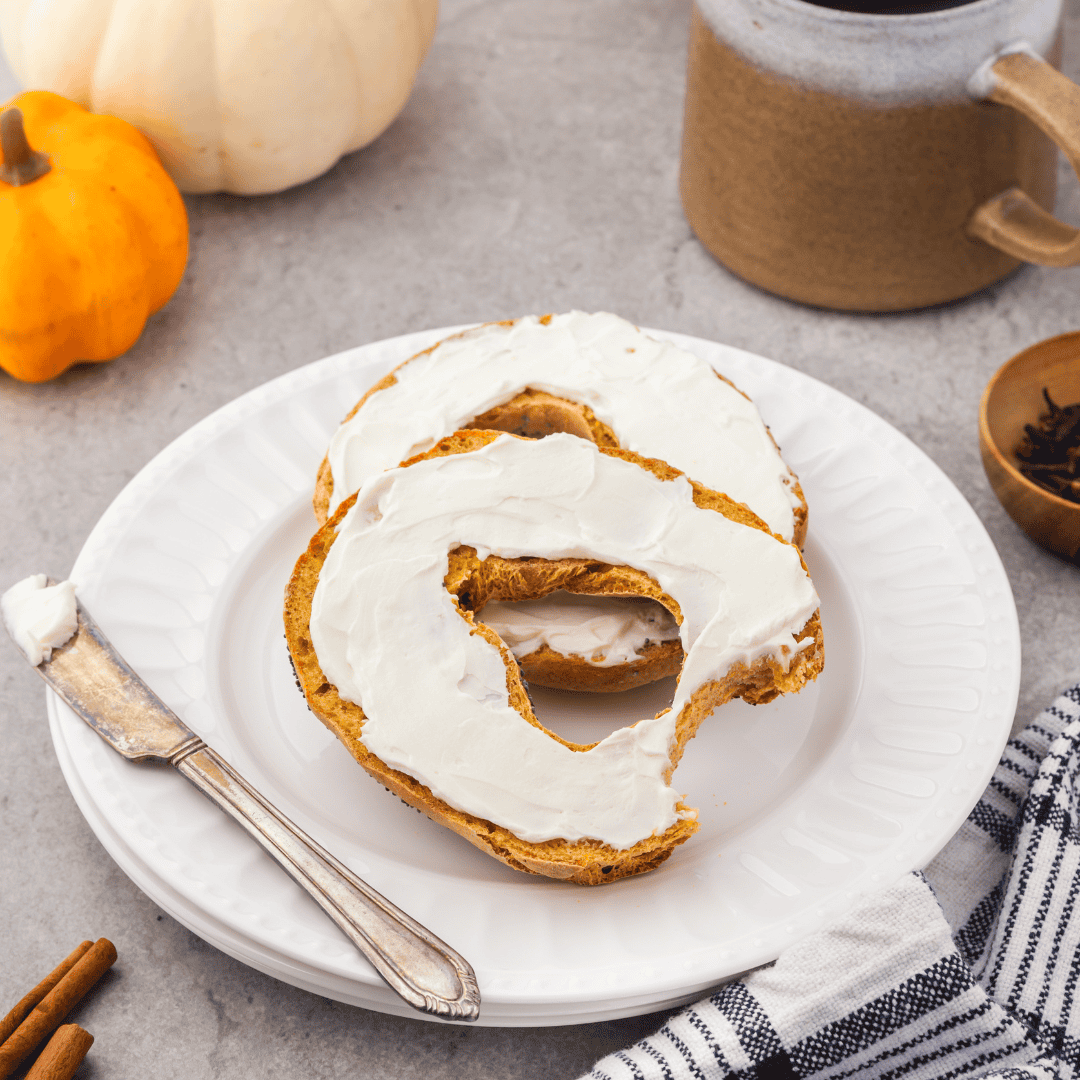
(124, 507)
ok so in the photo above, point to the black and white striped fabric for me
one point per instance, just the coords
(970, 969)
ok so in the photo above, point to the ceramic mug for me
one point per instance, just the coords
(877, 162)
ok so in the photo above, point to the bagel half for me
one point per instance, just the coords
(534, 413)
(473, 581)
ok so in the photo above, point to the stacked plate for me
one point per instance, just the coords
(804, 803)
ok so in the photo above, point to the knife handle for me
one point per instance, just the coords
(427, 973)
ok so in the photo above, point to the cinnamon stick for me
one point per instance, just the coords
(22, 1010)
(63, 1054)
(47, 1016)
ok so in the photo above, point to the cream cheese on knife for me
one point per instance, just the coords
(40, 617)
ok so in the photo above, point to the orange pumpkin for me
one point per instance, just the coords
(93, 236)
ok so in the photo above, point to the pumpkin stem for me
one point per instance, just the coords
(22, 164)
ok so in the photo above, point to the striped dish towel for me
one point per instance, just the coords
(970, 969)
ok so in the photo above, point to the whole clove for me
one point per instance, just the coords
(1049, 451)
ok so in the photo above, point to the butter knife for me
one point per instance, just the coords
(98, 684)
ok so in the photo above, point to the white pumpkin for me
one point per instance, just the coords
(248, 96)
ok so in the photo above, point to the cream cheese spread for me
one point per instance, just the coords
(661, 401)
(40, 617)
(391, 638)
(605, 630)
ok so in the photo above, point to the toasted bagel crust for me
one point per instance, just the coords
(534, 414)
(473, 582)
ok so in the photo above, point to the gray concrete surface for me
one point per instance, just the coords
(533, 170)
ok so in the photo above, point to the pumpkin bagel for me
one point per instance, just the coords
(379, 618)
(602, 379)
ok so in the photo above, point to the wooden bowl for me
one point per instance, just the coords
(1013, 398)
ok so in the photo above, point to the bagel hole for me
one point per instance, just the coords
(598, 631)
(534, 414)
(584, 718)
(631, 630)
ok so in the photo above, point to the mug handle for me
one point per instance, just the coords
(1013, 221)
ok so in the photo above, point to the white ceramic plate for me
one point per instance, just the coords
(804, 802)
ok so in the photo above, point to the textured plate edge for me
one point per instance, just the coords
(917, 461)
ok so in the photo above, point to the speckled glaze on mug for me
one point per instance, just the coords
(877, 162)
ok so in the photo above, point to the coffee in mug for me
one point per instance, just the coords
(898, 7)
